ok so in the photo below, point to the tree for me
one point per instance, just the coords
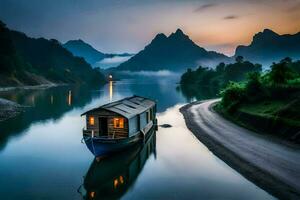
(280, 73)
(239, 59)
(286, 60)
(220, 67)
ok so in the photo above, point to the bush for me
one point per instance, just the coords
(254, 90)
(232, 96)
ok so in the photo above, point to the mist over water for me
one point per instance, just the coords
(111, 62)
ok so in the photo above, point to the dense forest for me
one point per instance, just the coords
(30, 61)
(210, 81)
(268, 102)
(263, 101)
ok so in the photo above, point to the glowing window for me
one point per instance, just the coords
(92, 120)
(118, 122)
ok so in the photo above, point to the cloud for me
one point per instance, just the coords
(294, 8)
(205, 7)
(230, 17)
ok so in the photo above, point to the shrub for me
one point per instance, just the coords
(232, 96)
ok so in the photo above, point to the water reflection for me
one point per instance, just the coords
(110, 91)
(70, 98)
(39, 108)
(111, 177)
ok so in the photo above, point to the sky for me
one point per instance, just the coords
(128, 25)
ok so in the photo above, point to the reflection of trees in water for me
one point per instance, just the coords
(196, 92)
(111, 177)
(42, 105)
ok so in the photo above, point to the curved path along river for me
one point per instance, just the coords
(267, 162)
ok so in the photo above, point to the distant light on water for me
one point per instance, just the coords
(110, 90)
(70, 98)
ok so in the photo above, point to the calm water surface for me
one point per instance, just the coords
(42, 157)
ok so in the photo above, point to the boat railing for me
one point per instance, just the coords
(94, 133)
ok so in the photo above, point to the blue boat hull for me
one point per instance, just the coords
(101, 147)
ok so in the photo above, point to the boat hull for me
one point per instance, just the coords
(101, 147)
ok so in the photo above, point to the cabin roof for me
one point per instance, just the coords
(127, 107)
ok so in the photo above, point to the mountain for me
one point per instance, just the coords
(30, 61)
(85, 50)
(175, 52)
(268, 46)
(89, 53)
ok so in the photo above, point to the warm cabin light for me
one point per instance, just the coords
(116, 183)
(118, 122)
(110, 76)
(92, 194)
(92, 120)
(121, 179)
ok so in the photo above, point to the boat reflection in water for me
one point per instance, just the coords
(111, 177)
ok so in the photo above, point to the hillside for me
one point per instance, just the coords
(30, 61)
(82, 49)
(268, 47)
(175, 52)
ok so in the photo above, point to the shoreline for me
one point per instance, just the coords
(9, 109)
(31, 87)
(248, 168)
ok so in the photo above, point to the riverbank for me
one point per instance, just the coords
(31, 87)
(9, 109)
(265, 161)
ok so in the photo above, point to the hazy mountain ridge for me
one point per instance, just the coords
(88, 52)
(175, 52)
(268, 47)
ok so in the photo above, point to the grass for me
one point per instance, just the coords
(286, 111)
(280, 118)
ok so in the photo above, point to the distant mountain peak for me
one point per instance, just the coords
(82, 49)
(175, 52)
(160, 36)
(179, 34)
(269, 31)
(268, 46)
(266, 33)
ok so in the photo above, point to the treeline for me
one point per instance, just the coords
(30, 61)
(281, 82)
(210, 81)
(266, 103)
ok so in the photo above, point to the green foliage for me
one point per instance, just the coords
(254, 89)
(280, 73)
(232, 96)
(281, 83)
(215, 79)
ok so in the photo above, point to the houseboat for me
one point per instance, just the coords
(118, 125)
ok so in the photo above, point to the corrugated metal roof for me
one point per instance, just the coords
(128, 107)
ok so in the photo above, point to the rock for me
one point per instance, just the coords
(165, 126)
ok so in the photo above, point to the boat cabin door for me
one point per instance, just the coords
(103, 130)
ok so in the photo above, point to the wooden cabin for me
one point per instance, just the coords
(121, 119)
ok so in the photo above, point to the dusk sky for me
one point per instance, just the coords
(127, 26)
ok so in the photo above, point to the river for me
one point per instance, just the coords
(42, 157)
